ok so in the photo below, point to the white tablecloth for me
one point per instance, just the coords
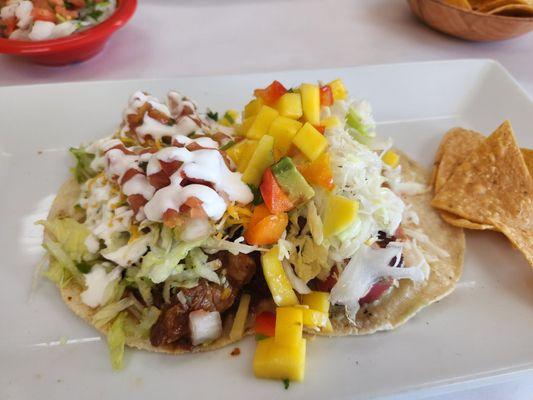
(170, 38)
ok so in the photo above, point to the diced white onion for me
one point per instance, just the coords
(205, 326)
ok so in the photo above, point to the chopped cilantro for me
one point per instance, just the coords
(258, 198)
(229, 118)
(95, 14)
(227, 145)
(83, 267)
(260, 336)
(212, 115)
(286, 383)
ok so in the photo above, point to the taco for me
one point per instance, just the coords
(184, 231)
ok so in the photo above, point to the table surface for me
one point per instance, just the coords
(171, 38)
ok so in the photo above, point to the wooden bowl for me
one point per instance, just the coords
(467, 24)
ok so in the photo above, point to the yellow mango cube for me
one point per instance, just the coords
(289, 325)
(242, 152)
(277, 281)
(310, 141)
(260, 160)
(275, 361)
(261, 122)
(338, 90)
(314, 318)
(391, 158)
(252, 108)
(310, 102)
(242, 128)
(230, 118)
(317, 301)
(290, 105)
(330, 122)
(340, 213)
(283, 130)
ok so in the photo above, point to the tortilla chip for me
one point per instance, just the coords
(494, 4)
(63, 206)
(527, 154)
(514, 10)
(493, 186)
(455, 146)
(464, 4)
(404, 301)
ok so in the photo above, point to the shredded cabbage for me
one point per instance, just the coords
(367, 267)
(116, 340)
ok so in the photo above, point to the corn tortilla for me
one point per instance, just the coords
(392, 310)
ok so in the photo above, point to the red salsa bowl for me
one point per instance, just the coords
(77, 47)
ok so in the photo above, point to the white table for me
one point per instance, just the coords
(169, 38)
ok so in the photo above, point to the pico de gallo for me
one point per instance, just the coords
(50, 19)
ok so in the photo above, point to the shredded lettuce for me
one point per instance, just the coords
(63, 261)
(116, 340)
(158, 264)
(82, 171)
(110, 311)
(141, 330)
(70, 235)
(213, 245)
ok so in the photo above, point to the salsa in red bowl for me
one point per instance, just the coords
(78, 46)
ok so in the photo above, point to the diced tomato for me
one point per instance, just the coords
(331, 280)
(67, 14)
(193, 207)
(275, 199)
(376, 291)
(400, 234)
(159, 180)
(265, 324)
(43, 14)
(77, 3)
(271, 93)
(9, 24)
(170, 167)
(136, 201)
(171, 218)
(130, 173)
(265, 228)
(320, 128)
(326, 96)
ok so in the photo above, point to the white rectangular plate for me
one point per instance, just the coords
(482, 330)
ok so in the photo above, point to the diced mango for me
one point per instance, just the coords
(261, 122)
(277, 281)
(289, 325)
(252, 108)
(242, 128)
(340, 214)
(242, 152)
(310, 141)
(283, 130)
(310, 102)
(314, 318)
(338, 89)
(317, 301)
(391, 158)
(290, 105)
(260, 160)
(275, 361)
(330, 122)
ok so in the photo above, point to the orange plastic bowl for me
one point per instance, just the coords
(73, 48)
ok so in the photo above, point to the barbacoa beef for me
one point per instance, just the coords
(173, 323)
